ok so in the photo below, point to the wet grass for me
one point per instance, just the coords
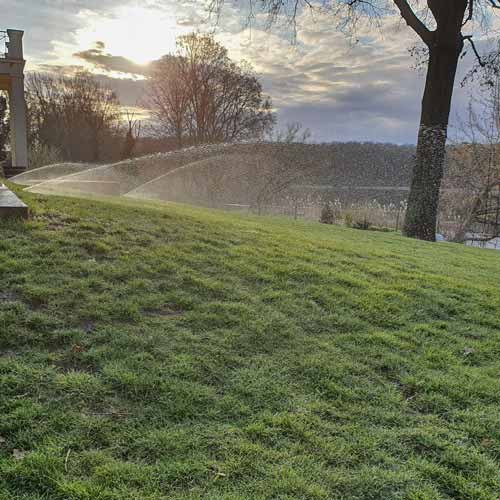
(151, 352)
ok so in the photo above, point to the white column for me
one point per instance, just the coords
(19, 132)
(15, 44)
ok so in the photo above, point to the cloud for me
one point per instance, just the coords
(340, 91)
(110, 63)
(366, 91)
(46, 21)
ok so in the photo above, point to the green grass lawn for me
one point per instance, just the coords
(166, 352)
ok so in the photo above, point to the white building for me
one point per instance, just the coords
(12, 80)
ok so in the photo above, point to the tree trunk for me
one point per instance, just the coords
(423, 201)
(179, 140)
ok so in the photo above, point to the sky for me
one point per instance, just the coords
(366, 90)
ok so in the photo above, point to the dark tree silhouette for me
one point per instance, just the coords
(76, 115)
(440, 24)
(132, 135)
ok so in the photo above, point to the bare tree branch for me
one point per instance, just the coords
(201, 96)
(470, 15)
(413, 21)
(476, 52)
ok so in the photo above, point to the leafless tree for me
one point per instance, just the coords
(442, 27)
(169, 98)
(75, 115)
(200, 96)
(473, 177)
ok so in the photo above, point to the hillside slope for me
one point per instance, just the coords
(162, 352)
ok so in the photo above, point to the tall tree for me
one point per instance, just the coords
(169, 99)
(440, 24)
(200, 96)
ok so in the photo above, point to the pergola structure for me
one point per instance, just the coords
(12, 80)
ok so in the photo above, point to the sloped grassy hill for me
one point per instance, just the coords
(173, 353)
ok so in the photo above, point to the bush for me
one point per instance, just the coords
(362, 224)
(348, 219)
(327, 214)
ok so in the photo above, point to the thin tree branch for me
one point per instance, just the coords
(470, 14)
(413, 21)
(474, 48)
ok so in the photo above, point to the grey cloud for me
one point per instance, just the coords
(47, 20)
(130, 92)
(107, 62)
(367, 91)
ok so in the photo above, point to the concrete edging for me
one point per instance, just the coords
(11, 206)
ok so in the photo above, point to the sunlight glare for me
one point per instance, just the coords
(137, 33)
